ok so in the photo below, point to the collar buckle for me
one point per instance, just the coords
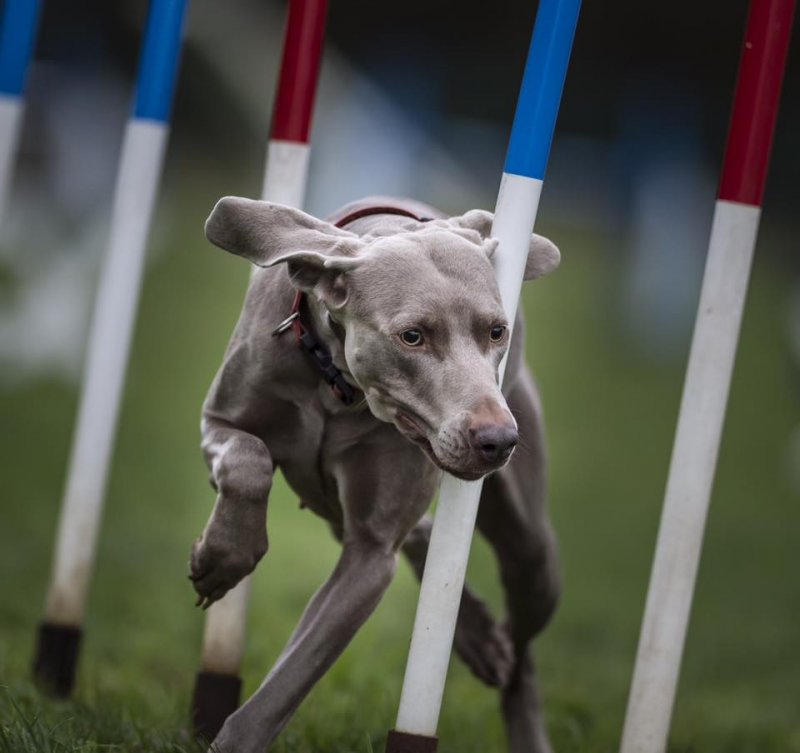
(286, 324)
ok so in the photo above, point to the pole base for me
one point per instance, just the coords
(216, 697)
(56, 659)
(405, 742)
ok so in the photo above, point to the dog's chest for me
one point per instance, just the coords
(314, 456)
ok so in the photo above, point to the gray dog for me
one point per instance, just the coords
(365, 363)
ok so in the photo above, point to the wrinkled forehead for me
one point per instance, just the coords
(430, 273)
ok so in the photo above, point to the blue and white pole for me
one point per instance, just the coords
(515, 213)
(109, 344)
(17, 37)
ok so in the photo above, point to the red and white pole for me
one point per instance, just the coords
(708, 377)
(218, 686)
(288, 149)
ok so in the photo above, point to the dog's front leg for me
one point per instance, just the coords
(360, 578)
(235, 537)
(385, 484)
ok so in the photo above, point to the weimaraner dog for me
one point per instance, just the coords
(364, 364)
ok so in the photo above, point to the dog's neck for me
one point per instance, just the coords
(331, 335)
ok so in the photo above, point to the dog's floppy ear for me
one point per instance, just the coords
(324, 276)
(261, 231)
(543, 255)
(317, 253)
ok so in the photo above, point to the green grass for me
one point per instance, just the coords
(76, 727)
(611, 417)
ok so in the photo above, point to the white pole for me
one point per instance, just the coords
(286, 173)
(106, 362)
(225, 631)
(113, 321)
(11, 114)
(515, 213)
(448, 551)
(691, 475)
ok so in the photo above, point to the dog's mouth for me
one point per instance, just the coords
(410, 427)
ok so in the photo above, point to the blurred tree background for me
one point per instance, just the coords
(414, 100)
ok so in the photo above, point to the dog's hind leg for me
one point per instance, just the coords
(513, 518)
(481, 643)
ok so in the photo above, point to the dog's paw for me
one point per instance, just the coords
(483, 644)
(217, 562)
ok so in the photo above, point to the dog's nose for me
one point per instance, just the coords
(495, 442)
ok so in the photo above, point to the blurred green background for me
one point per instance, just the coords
(610, 373)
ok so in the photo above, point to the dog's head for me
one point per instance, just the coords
(424, 328)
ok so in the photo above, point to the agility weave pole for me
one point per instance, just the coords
(17, 39)
(515, 214)
(708, 377)
(218, 684)
(109, 345)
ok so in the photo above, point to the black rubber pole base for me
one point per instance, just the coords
(404, 742)
(56, 659)
(215, 698)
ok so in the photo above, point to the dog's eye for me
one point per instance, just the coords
(497, 333)
(412, 337)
